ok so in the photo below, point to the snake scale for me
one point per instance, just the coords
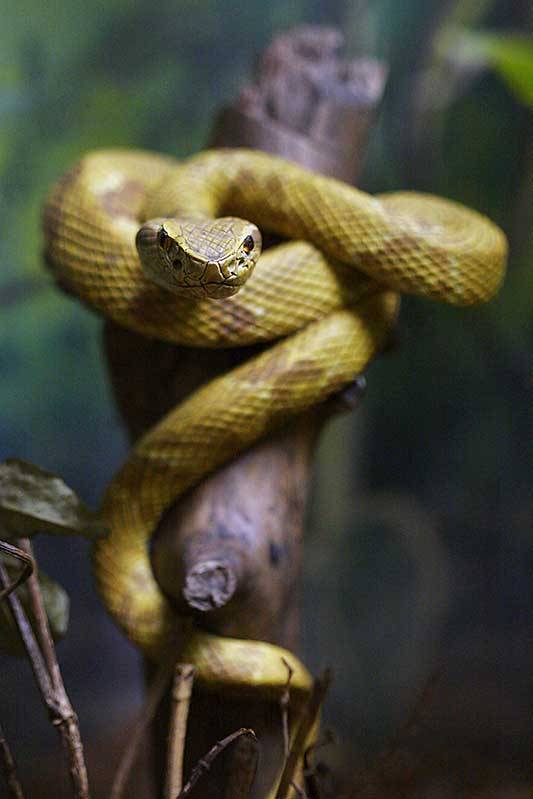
(328, 298)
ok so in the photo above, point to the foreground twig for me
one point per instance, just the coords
(284, 702)
(9, 769)
(50, 683)
(308, 720)
(244, 761)
(153, 698)
(28, 566)
(68, 726)
(204, 764)
(32, 650)
(310, 770)
(179, 711)
(42, 628)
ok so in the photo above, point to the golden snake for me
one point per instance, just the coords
(330, 297)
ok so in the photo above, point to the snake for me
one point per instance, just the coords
(167, 248)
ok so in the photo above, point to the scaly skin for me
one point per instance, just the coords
(332, 294)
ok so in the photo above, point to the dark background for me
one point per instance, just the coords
(419, 527)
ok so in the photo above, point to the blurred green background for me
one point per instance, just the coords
(418, 546)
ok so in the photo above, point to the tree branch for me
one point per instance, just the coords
(234, 565)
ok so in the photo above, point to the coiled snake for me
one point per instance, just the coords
(330, 297)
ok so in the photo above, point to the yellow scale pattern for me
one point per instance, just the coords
(329, 297)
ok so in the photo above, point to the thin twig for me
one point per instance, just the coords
(37, 663)
(244, 762)
(284, 702)
(309, 769)
(42, 628)
(179, 711)
(153, 698)
(307, 721)
(204, 764)
(326, 738)
(27, 569)
(68, 723)
(59, 710)
(9, 769)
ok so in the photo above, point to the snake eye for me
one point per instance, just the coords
(248, 245)
(164, 240)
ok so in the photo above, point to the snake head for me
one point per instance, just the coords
(199, 257)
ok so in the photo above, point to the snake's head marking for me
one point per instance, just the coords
(199, 258)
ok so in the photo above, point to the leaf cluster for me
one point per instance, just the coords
(33, 501)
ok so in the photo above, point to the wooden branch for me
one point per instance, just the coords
(229, 551)
(307, 104)
(232, 545)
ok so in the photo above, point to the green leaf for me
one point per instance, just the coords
(33, 500)
(509, 54)
(56, 603)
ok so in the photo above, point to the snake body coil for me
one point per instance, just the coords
(330, 297)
